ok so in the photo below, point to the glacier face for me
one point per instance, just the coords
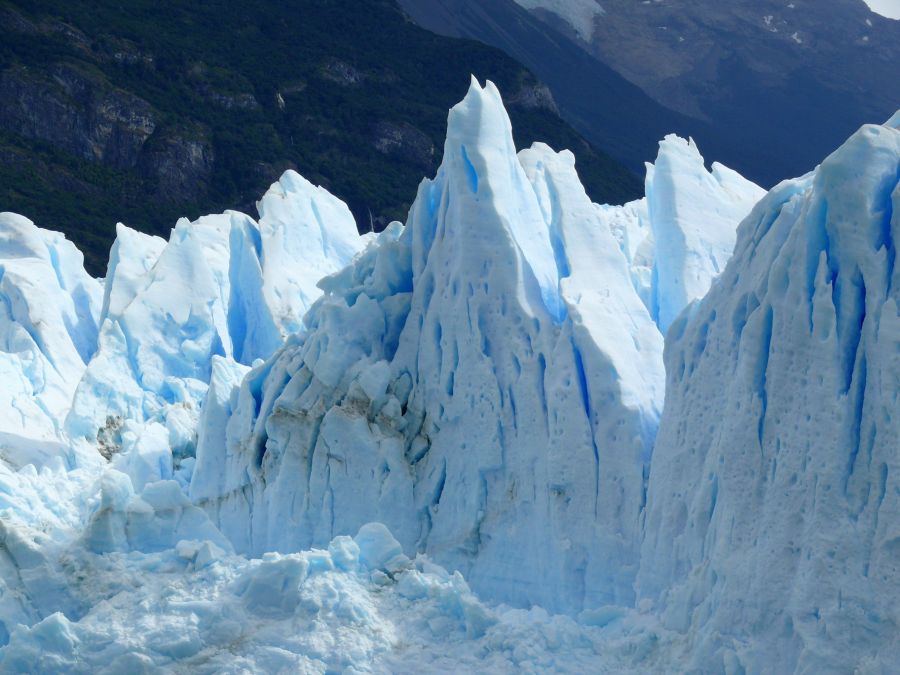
(306, 234)
(96, 578)
(225, 286)
(771, 523)
(694, 214)
(486, 381)
(679, 237)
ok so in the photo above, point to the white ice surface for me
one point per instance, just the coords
(223, 286)
(679, 237)
(307, 233)
(99, 579)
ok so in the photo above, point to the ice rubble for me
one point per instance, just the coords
(98, 578)
(774, 505)
(49, 309)
(486, 381)
(358, 606)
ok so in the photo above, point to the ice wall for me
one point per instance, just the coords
(772, 518)
(49, 311)
(222, 286)
(678, 238)
(485, 381)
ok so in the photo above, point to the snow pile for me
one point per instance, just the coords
(773, 510)
(49, 312)
(486, 382)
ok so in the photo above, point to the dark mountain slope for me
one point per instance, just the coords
(147, 110)
(612, 112)
(765, 86)
(797, 77)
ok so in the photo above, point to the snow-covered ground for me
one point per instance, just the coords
(198, 452)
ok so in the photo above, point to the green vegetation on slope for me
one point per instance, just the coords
(350, 94)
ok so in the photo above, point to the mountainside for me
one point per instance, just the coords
(612, 112)
(152, 110)
(767, 87)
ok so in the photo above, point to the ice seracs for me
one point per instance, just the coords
(131, 258)
(486, 381)
(694, 214)
(306, 234)
(771, 533)
(49, 311)
(223, 285)
(679, 237)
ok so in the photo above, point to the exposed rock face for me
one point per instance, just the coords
(180, 165)
(747, 79)
(669, 48)
(100, 121)
(537, 96)
(341, 72)
(405, 141)
(77, 109)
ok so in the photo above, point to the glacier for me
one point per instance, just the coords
(49, 314)
(276, 445)
(99, 579)
(223, 286)
(445, 387)
(771, 523)
(491, 363)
